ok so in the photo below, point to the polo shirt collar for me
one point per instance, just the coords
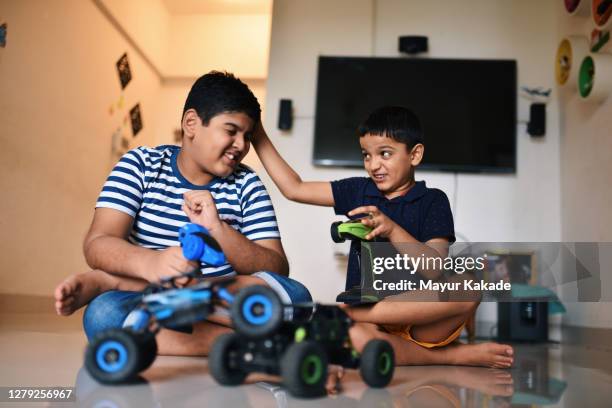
(417, 191)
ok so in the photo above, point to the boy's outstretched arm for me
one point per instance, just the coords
(286, 179)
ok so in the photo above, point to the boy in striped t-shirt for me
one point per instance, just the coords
(152, 192)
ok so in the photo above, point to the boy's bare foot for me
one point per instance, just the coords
(78, 289)
(334, 379)
(492, 355)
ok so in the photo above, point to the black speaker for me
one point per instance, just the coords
(522, 321)
(537, 119)
(285, 114)
(603, 7)
(413, 44)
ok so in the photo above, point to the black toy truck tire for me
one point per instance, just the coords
(148, 349)
(377, 363)
(304, 369)
(132, 358)
(241, 322)
(218, 363)
(335, 235)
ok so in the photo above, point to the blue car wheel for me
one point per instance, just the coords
(114, 356)
(111, 356)
(257, 311)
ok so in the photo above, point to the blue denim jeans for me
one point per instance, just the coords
(109, 310)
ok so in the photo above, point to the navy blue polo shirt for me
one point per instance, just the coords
(423, 212)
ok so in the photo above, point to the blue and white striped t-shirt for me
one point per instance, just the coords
(146, 184)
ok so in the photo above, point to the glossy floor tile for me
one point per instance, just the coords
(45, 350)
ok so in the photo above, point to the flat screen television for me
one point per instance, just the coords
(467, 109)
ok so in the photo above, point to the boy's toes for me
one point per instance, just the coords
(77, 290)
(503, 362)
(334, 379)
(67, 288)
(58, 306)
(502, 349)
(65, 306)
(332, 385)
(60, 291)
(65, 311)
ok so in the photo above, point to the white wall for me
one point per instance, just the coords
(57, 81)
(236, 43)
(147, 23)
(521, 207)
(188, 45)
(586, 189)
(300, 32)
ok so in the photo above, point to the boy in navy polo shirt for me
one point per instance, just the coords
(400, 210)
(423, 212)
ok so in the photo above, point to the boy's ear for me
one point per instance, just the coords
(190, 122)
(416, 154)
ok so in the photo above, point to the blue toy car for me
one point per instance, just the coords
(118, 355)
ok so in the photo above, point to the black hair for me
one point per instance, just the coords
(396, 122)
(218, 92)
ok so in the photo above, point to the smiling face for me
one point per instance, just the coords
(390, 164)
(218, 148)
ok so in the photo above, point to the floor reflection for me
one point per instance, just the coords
(171, 382)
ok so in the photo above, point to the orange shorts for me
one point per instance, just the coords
(403, 331)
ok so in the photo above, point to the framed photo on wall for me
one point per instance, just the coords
(512, 267)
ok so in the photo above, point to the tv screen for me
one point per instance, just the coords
(467, 109)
